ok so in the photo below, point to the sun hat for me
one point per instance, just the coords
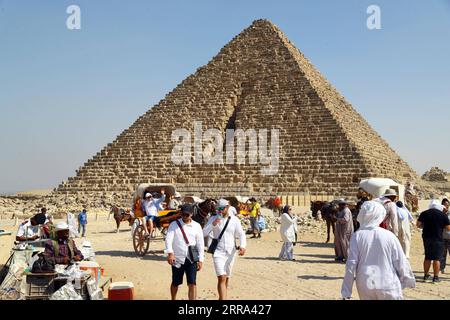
(389, 192)
(60, 226)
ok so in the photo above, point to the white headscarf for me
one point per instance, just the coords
(372, 213)
(434, 204)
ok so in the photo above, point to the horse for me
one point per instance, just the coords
(274, 206)
(316, 206)
(328, 211)
(120, 215)
(203, 210)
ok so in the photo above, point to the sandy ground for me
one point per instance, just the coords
(259, 275)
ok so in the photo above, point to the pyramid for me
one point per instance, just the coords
(259, 80)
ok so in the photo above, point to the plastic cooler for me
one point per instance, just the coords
(121, 291)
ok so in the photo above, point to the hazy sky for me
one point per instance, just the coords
(65, 94)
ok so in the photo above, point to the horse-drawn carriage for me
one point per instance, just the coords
(141, 241)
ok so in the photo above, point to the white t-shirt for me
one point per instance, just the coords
(27, 230)
(176, 244)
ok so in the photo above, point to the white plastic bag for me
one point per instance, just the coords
(66, 292)
(95, 293)
(87, 251)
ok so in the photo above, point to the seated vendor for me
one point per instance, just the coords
(29, 229)
(63, 250)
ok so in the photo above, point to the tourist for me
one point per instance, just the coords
(29, 229)
(151, 208)
(390, 222)
(182, 234)
(288, 230)
(446, 237)
(62, 250)
(433, 222)
(225, 229)
(82, 222)
(254, 215)
(343, 231)
(175, 201)
(404, 229)
(376, 261)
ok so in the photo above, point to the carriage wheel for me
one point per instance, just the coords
(140, 242)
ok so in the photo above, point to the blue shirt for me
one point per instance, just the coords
(82, 218)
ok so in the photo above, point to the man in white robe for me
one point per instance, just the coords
(404, 229)
(376, 261)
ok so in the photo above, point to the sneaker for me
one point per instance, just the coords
(426, 277)
(253, 237)
(436, 280)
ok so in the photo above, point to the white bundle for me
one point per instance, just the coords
(66, 292)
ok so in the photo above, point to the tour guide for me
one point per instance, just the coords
(181, 234)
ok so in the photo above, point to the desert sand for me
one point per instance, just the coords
(258, 275)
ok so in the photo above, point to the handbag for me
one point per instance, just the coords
(43, 265)
(194, 254)
(213, 246)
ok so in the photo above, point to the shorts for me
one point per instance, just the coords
(433, 249)
(153, 218)
(191, 273)
(223, 263)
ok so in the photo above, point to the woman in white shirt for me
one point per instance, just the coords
(288, 232)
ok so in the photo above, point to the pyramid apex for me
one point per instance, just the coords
(262, 22)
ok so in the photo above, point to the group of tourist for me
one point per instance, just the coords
(185, 247)
(377, 255)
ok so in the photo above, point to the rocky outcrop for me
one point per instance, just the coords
(435, 175)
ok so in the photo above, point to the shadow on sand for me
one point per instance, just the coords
(308, 277)
(151, 255)
(316, 244)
